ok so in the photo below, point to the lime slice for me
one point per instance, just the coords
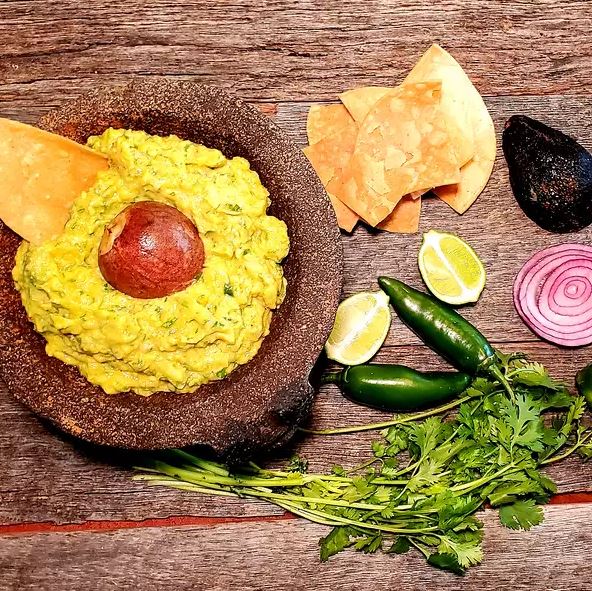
(450, 268)
(361, 325)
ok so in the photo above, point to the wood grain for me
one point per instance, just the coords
(530, 56)
(50, 478)
(284, 555)
(293, 50)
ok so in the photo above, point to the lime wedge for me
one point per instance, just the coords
(450, 268)
(361, 325)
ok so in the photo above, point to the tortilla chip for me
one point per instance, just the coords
(346, 189)
(324, 120)
(330, 157)
(360, 101)
(42, 173)
(458, 96)
(402, 146)
(346, 218)
(475, 174)
(404, 218)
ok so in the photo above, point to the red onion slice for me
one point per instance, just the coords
(553, 294)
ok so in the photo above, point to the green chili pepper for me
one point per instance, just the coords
(396, 387)
(440, 327)
(443, 329)
(584, 383)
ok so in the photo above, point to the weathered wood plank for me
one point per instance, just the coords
(367, 254)
(275, 52)
(289, 49)
(48, 477)
(284, 555)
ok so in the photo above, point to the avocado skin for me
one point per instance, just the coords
(550, 174)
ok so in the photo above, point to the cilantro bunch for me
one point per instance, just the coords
(428, 474)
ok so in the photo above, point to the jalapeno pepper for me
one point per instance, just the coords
(584, 383)
(441, 327)
(396, 387)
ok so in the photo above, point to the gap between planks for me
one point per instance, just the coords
(108, 525)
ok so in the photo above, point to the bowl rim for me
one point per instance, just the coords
(297, 389)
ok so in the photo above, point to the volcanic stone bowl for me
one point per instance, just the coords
(258, 406)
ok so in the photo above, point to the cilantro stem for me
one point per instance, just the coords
(497, 373)
(200, 477)
(363, 465)
(200, 463)
(178, 484)
(378, 527)
(420, 547)
(314, 500)
(296, 510)
(468, 486)
(579, 443)
(398, 421)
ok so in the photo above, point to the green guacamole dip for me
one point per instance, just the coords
(186, 339)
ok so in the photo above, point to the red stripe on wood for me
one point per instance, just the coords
(571, 498)
(108, 525)
(192, 520)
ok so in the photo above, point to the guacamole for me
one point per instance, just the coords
(189, 338)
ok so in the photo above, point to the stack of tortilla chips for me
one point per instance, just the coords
(381, 149)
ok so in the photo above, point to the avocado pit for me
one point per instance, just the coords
(150, 250)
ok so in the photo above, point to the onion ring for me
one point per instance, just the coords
(553, 294)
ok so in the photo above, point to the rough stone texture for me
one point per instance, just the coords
(259, 404)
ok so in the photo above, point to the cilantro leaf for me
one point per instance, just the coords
(546, 484)
(390, 467)
(396, 436)
(466, 547)
(337, 540)
(523, 417)
(508, 492)
(400, 546)
(338, 470)
(427, 474)
(369, 543)
(360, 488)
(507, 359)
(455, 510)
(469, 554)
(558, 399)
(427, 435)
(447, 562)
(534, 374)
(574, 413)
(521, 514)
(379, 448)
(297, 464)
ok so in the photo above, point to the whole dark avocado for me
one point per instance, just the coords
(550, 174)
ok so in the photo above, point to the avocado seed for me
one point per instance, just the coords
(150, 250)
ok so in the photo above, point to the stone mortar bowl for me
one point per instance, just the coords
(259, 405)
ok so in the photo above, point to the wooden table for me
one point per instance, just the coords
(70, 516)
